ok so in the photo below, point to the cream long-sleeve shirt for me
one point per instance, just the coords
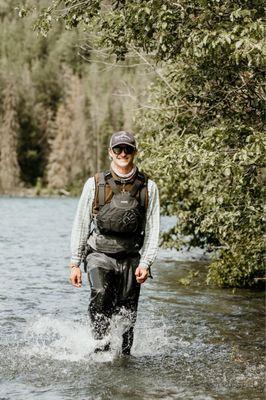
(83, 220)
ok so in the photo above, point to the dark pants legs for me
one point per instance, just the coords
(113, 288)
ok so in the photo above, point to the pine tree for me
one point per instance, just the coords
(69, 157)
(59, 162)
(9, 166)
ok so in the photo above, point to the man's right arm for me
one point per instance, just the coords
(82, 221)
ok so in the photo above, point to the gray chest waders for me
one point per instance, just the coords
(114, 290)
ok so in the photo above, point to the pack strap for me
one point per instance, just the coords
(135, 188)
(114, 187)
(142, 196)
(101, 185)
(143, 189)
(141, 176)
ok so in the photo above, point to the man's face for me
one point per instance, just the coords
(121, 157)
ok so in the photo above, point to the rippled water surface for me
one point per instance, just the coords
(193, 342)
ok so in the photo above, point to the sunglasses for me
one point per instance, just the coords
(127, 149)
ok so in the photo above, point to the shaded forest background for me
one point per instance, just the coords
(187, 76)
(60, 102)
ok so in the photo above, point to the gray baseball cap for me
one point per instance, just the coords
(122, 137)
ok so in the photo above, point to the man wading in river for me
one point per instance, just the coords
(115, 232)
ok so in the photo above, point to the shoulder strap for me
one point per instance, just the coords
(106, 177)
(140, 185)
(142, 176)
(144, 196)
(101, 185)
(110, 180)
(144, 190)
(135, 187)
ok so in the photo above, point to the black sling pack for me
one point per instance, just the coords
(124, 215)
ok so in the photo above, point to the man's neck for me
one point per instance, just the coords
(122, 170)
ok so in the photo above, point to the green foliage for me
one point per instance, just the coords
(186, 281)
(213, 184)
(203, 137)
(38, 186)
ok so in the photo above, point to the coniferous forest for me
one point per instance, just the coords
(61, 101)
(185, 76)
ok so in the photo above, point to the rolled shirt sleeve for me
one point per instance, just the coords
(152, 227)
(82, 222)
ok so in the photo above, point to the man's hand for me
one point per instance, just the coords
(141, 274)
(75, 276)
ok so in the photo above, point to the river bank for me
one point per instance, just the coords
(35, 191)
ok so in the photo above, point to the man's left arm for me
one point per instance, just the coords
(151, 239)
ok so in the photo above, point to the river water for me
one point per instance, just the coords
(191, 342)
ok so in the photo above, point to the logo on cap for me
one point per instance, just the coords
(123, 136)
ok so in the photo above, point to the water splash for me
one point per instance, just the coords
(60, 339)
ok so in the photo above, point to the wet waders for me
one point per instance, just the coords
(114, 289)
(117, 235)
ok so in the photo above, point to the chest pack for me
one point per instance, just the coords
(121, 208)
